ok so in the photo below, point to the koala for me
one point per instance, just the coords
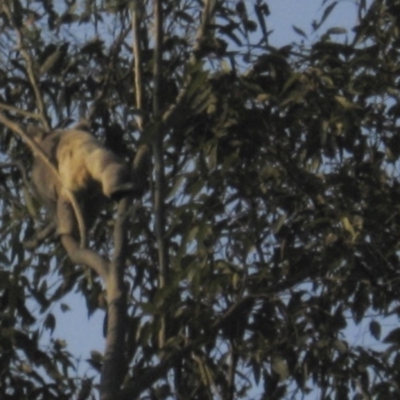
(86, 168)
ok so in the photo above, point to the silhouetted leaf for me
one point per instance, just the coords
(393, 337)
(375, 329)
(299, 31)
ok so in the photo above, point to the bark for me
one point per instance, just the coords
(159, 173)
(114, 365)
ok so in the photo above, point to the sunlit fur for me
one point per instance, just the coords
(86, 167)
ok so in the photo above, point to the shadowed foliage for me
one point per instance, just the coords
(269, 227)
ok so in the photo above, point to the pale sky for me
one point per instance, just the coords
(301, 13)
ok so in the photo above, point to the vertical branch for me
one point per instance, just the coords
(159, 173)
(232, 371)
(114, 364)
(158, 28)
(142, 158)
(137, 13)
(206, 15)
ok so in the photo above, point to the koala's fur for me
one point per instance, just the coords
(86, 168)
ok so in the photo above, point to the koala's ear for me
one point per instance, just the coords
(37, 133)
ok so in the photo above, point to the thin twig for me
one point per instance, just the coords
(16, 110)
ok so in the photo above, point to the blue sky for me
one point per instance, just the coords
(301, 13)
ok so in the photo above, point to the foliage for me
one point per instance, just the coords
(280, 201)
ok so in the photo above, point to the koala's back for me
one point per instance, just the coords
(73, 151)
(85, 164)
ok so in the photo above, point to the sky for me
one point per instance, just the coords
(83, 334)
(300, 13)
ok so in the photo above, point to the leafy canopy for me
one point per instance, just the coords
(281, 198)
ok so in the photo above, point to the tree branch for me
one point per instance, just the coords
(114, 365)
(16, 110)
(232, 371)
(159, 173)
(137, 13)
(30, 69)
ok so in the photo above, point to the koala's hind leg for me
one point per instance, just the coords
(66, 220)
(106, 168)
(116, 181)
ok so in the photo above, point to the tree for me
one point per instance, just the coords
(271, 217)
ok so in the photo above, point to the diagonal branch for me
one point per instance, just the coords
(158, 153)
(30, 69)
(17, 110)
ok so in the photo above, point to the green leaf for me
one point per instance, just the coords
(341, 346)
(375, 329)
(299, 31)
(326, 14)
(184, 16)
(280, 367)
(345, 103)
(336, 31)
(51, 61)
(50, 322)
(393, 337)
